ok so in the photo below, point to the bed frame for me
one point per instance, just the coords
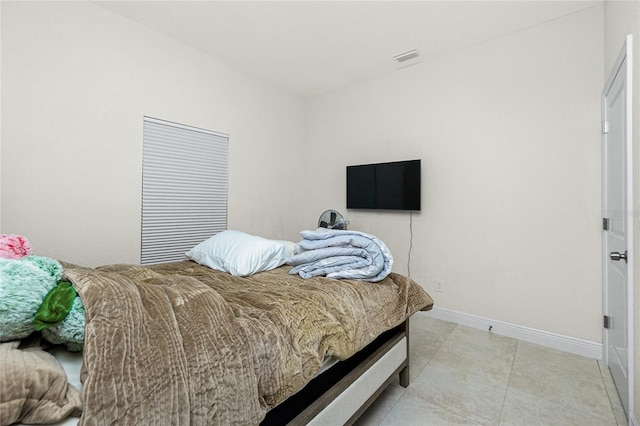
(342, 394)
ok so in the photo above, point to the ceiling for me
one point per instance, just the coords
(311, 47)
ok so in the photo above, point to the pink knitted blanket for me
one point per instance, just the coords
(14, 246)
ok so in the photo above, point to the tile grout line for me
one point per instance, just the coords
(606, 388)
(392, 407)
(506, 391)
(500, 410)
(423, 368)
(482, 346)
(570, 407)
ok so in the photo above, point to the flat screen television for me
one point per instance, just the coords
(384, 186)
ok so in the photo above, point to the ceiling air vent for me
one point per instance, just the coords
(411, 54)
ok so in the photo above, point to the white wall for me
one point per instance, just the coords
(76, 83)
(622, 18)
(508, 134)
(511, 155)
(0, 114)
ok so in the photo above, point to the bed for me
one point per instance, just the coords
(181, 343)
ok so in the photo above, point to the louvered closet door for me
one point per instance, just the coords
(184, 189)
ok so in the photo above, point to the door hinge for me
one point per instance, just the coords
(605, 223)
(607, 322)
(605, 127)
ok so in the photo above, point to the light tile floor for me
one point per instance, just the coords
(461, 376)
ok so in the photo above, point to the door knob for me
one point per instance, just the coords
(614, 255)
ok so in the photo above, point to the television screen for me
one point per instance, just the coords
(384, 186)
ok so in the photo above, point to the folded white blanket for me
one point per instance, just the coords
(341, 254)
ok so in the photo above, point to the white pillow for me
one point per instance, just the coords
(241, 254)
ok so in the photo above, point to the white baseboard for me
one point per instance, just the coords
(545, 338)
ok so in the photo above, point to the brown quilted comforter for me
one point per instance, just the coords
(181, 344)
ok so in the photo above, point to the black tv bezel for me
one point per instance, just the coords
(399, 209)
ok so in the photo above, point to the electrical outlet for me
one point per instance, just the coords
(439, 286)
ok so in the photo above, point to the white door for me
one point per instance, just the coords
(618, 226)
